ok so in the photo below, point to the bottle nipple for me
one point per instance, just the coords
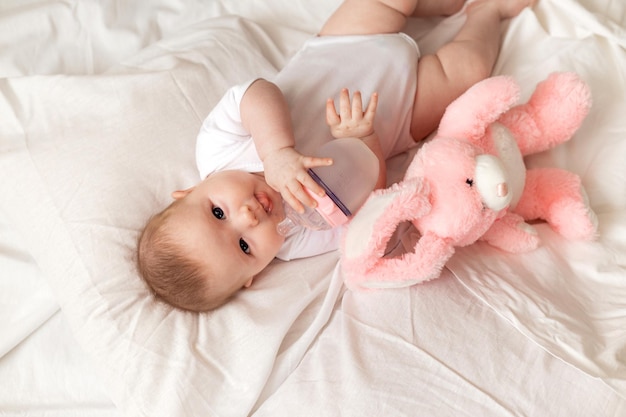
(310, 219)
(287, 225)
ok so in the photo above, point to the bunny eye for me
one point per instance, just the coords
(469, 182)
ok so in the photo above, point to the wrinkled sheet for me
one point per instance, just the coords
(100, 104)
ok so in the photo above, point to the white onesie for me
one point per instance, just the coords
(386, 64)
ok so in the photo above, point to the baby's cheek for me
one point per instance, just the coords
(278, 241)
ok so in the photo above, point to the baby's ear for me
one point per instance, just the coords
(178, 194)
(247, 284)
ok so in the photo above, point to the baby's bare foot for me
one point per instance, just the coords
(506, 8)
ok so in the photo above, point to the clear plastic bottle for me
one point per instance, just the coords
(347, 182)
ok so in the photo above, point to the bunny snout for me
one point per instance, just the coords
(492, 182)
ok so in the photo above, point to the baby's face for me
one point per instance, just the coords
(228, 221)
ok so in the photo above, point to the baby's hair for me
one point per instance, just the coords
(171, 274)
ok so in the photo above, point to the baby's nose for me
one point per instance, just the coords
(248, 217)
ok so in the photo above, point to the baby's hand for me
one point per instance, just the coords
(351, 120)
(286, 172)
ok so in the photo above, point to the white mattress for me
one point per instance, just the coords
(100, 102)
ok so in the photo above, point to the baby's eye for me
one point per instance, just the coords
(244, 246)
(218, 213)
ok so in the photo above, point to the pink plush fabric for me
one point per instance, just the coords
(469, 182)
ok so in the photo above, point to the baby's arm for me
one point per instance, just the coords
(265, 114)
(353, 122)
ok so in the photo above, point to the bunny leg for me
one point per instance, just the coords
(512, 234)
(558, 197)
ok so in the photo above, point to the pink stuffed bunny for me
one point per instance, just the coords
(469, 182)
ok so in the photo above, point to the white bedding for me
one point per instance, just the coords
(100, 103)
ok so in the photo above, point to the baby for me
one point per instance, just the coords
(252, 151)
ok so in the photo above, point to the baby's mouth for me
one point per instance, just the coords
(265, 202)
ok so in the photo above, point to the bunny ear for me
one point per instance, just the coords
(482, 104)
(428, 258)
(370, 230)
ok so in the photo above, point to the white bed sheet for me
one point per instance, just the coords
(78, 162)
(43, 371)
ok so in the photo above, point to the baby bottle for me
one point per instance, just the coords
(347, 182)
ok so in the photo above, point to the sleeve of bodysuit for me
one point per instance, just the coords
(222, 142)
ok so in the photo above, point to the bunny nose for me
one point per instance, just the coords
(492, 183)
(502, 189)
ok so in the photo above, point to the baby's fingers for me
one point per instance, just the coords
(292, 201)
(357, 106)
(307, 181)
(300, 191)
(313, 161)
(344, 104)
(370, 112)
(332, 118)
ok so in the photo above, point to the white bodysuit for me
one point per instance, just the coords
(386, 64)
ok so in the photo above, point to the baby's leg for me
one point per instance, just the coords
(430, 8)
(362, 17)
(458, 65)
